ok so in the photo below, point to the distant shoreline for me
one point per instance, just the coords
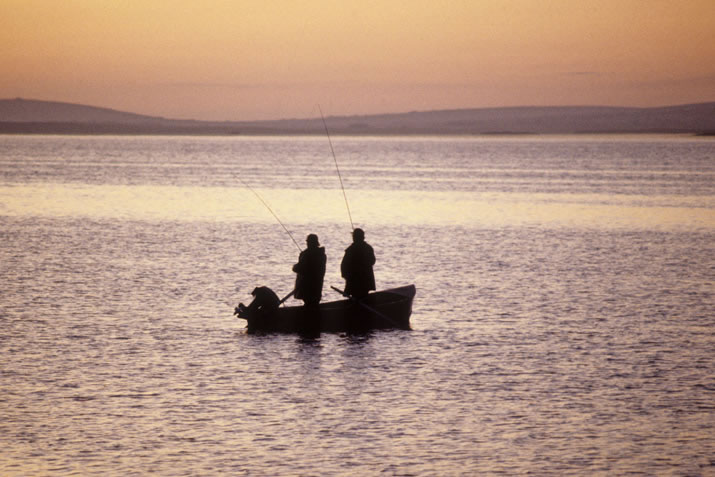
(22, 116)
(59, 129)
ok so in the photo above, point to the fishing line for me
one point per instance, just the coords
(271, 211)
(337, 168)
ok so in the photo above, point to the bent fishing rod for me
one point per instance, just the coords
(245, 184)
(270, 210)
(336, 167)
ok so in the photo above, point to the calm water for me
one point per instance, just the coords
(564, 319)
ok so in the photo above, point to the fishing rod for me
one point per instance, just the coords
(337, 168)
(271, 211)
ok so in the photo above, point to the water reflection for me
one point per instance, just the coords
(357, 339)
(489, 209)
(558, 331)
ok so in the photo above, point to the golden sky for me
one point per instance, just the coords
(261, 59)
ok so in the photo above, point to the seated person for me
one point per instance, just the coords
(265, 301)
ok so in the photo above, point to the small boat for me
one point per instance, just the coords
(387, 309)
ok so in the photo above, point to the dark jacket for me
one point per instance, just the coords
(356, 269)
(310, 271)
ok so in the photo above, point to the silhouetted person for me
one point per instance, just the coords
(356, 267)
(310, 271)
(265, 301)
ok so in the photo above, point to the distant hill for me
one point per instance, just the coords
(24, 110)
(41, 117)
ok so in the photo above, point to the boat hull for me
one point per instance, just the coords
(387, 309)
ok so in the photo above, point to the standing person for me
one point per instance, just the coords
(356, 267)
(310, 271)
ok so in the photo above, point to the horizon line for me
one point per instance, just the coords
(310, 118)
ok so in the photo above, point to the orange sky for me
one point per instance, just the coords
(233, 59)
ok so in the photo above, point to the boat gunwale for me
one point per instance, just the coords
(330, 305)
(399, 298)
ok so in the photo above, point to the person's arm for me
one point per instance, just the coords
(345, 264)
(298, 267)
